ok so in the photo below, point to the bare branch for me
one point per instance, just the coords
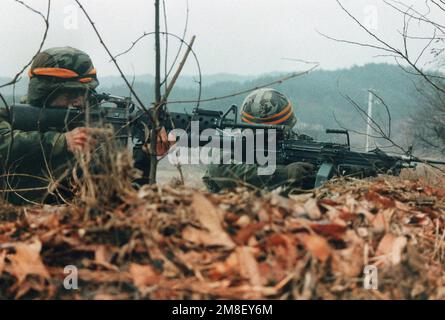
(180, 45)
(388, 48)
(42, 42)
(433, 38)
(155, 115)
(112, 57)
(164, 9)
(301, 60)
(355, 43)
(178, 71)
(386, 108)
(275, 82)
(5, 103)
(366, 29)
(418, 16)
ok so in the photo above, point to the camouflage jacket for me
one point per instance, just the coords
(229, 176)
(29, 162)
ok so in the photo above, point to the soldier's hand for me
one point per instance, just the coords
(80, 139)
(299, 170)
(164, 142)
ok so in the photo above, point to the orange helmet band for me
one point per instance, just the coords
(275, 122)
(62, 73)
(275, 116)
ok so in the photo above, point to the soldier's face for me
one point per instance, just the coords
(74, 99)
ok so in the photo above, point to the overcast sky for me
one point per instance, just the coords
(233, 36)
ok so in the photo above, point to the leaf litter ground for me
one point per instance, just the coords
(169, 242)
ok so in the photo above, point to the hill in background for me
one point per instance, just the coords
(317, 97)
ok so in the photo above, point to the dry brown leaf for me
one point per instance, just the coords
(349, 261)
(390, 249)
(380, 222)
(329, 230)
(272, 271)
(99, 276)
(329, 202)
(37, 285)
(243, 236)
(312, 209)
(283, 247)
(263, 215)
(107, 296)
(2, 261)
(49, 220)
(225, 268)
(382, 201)
(102, 257)
(143, 275)
(440, 193)
(199, 237)
(316, 245)
(207, 214)
(418, 219)
(403, 206)
(26, 261)
(195, 260)
(249, 266)
(243, 221)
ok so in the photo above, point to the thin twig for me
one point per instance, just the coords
(269, 84)
(42, 42)
(113, 59)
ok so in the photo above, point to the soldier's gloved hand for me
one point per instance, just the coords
(163, 142)
(297, 171)
(80, 139)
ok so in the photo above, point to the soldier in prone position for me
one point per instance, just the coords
(267, 107)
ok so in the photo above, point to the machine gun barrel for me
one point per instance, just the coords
(419, 160)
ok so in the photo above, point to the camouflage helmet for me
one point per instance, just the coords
(268, 106)
(59, 69)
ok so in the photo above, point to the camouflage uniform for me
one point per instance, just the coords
(29, 158)
(269, 107)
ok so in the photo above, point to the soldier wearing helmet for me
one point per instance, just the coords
(269, 107)
(266, 107)
(31, 161)
(59, 77)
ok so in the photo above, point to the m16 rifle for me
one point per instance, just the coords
(130, 123)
